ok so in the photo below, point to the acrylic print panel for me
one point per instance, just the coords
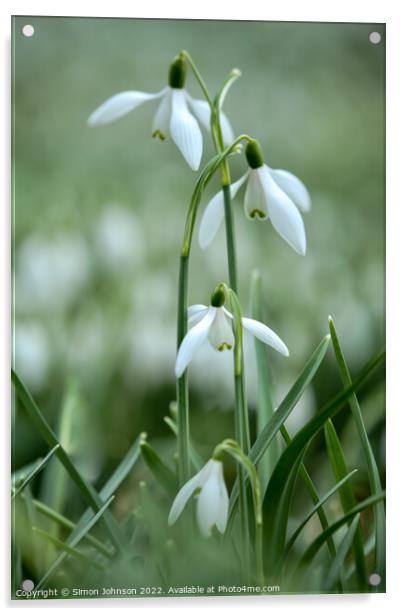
(191, 200)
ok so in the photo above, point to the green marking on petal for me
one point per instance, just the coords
(258, 214)
(224, 345)
(159, 134)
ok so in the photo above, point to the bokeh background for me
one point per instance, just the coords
(99, 217)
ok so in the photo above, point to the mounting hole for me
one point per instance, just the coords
(375, 38)
(374, 579)
(28, 585)
(28, 30)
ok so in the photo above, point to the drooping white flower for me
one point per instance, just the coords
(213, 323)
(212, 498)
(176, 115)
(270, 193)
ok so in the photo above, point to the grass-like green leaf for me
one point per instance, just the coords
(265, 406)
(315, 546)
(64, 547)
(369, 547)
(68, 524)
(283, 411)
(195, 457)
(20, 473)
(54, 483)
(372, 468)
(37, 554)
(335, 569)
(163, 474)
(308, 482)
(70, 544)
(112, 484)
(347, 497)
(35, 471)
(87, 491)
(315, 509)
(281, 485)
(122, 471)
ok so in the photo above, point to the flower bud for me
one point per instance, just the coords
(177, 73)
(254, 155)
(218, 297)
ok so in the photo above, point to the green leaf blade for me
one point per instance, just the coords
(372, 468)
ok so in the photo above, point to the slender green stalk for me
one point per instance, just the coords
(186, 56)
(232, 448)
(241, 425)
(230, 231)
(183, 428)
(241, 411)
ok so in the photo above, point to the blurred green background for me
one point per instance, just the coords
(99, 217)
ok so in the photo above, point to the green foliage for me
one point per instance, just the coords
(80, 478)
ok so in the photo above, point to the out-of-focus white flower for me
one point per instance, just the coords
(212, 498)
(212, 323)
(270, 193)
(51, 272)
(31, 354)
(175, 116)
(119, 237)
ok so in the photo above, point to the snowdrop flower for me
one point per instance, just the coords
(212, 498)
(270, 193)
(213, 323)
(173, 117)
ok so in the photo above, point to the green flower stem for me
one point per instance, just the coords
(183, 430)
(241, 411)
(241, 424)
(186, 56)
(183, 427)
(233, 448)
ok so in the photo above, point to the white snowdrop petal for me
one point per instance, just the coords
(211, 220)
(227, 131)
(183, 496)
(220, 333)
(208, 504)
(184, 130)
(285, 217)
(265, 334)
(214, 214)
(234, 188)
(201, 111)
(195, 313)
(293, 187)
(194, 309)
(255, 202)
(118, 105)
(223, 511)
(192, 342)
(161, 119)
